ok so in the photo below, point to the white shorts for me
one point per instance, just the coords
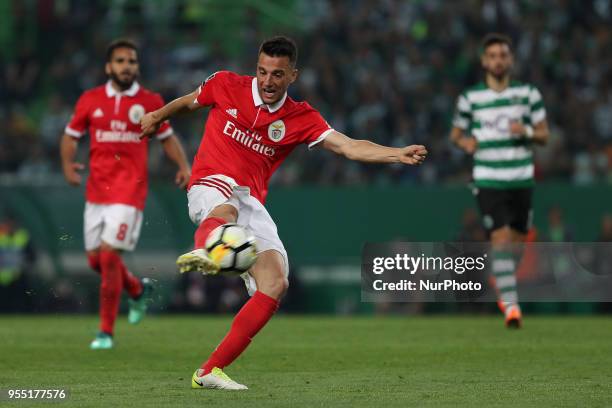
(252, 215)
(116, 224)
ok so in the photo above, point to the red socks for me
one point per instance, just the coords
(94, 262)
(248, 322)
(130, 283)
(205, 229)
(110, 289)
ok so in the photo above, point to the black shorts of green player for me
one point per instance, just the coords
(505, 207)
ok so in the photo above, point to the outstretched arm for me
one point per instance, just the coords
(174, 150)
(369, 152)
(150, 122)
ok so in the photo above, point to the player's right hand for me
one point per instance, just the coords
(149, 125)
(413, 154)
(468, 144)
(71, 173)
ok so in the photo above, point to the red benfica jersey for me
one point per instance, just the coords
(117, 156)
(247, 140)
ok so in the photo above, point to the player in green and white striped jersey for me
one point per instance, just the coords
(499, 121)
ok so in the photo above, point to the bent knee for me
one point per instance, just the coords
(274, 287)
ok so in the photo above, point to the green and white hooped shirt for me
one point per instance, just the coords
(501, 160)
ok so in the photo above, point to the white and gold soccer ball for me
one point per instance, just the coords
(232, 248)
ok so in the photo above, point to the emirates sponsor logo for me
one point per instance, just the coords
(252, 140)
(115, 136)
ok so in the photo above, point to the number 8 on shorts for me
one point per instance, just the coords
(116, 224)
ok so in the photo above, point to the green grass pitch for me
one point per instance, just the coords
(318, 362)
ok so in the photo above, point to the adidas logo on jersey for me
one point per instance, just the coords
(98, 113)
(233, 112)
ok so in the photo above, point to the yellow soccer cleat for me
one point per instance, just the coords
(197, 260)
(216, 379)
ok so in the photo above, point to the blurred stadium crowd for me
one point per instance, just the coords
(389, 71)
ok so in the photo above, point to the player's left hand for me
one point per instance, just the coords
(413, 154)
(517, 129)
(182, 177)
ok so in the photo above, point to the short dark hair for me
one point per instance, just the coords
(496, 38)
(120, 43)
(280, 46)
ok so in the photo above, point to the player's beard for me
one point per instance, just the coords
(500, 74)
(123, 84)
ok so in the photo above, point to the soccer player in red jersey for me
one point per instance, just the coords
(251, 128)
(117, 183)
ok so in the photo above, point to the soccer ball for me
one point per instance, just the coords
(232, 248)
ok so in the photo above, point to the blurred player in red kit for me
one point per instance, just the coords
(251, 128)
(117, 184)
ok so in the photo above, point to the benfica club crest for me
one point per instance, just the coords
(276, 131)
(136, 113)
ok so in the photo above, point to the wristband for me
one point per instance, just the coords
(528, 132)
